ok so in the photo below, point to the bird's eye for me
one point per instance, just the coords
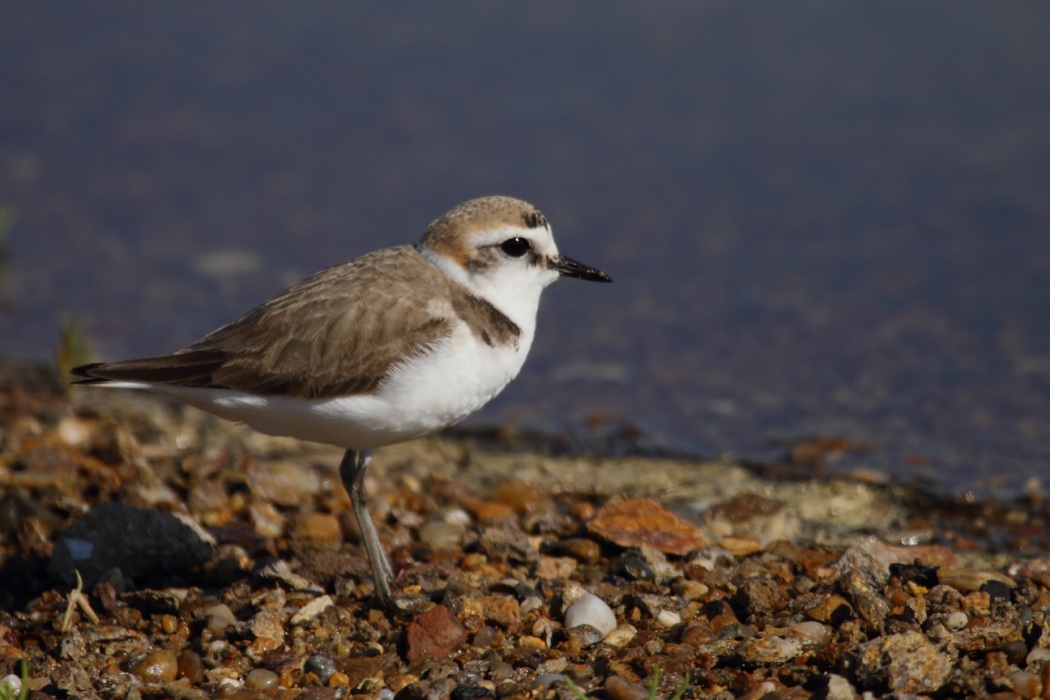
(515, 247)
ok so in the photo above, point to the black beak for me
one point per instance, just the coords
(570, 268)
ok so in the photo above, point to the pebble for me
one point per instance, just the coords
(620, 689)
(554, 568)
(668, 618)
(135, 540)
(758, 597)
(690, 590)
(969, 581)
(751, 516)
(813, 633)
(283, 483)
(502, 544)
(769, 650)
(839, 688)
(583, 550)
(591, 610)
(435, 633)
(905, 663)
(261, 679)
(321, 666)
(621, 636)
(1026, 684)
(218, 618)
(13, 684)
(633, 566)
(442, 535)
(266, 519)
(191, 666)
(315, 528)
(159, 666)
(634, 522)
(583, 636)
(311, 610)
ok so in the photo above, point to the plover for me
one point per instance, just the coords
(391, 346)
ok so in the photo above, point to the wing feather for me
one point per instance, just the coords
(338, 332)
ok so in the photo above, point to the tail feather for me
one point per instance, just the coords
(181, 369)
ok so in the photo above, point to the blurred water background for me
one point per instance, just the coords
(824, 219)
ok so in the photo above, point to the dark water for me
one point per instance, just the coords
(823, 219)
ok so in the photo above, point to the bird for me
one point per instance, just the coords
(388, 347)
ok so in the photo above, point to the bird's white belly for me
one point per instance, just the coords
(420, 396)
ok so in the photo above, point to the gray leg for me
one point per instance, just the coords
(352, 472)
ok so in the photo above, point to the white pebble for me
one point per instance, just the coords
(813, 633)
(457, 516)
(955, 621)
(591, 610)
(13, 683)
(312, 609)
(621, 636)
(668, 618)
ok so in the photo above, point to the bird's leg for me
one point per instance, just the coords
(352, 472)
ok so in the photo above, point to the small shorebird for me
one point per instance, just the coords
(385, 348)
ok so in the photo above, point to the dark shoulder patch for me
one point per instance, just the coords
(534, 219)
(488, 323)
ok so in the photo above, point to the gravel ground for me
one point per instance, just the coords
(215, 562)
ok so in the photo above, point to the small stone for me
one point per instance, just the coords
(159, 666)
(283, 483)
(137, 541)
(758, 597)
(470, 692)
(621, 636)
(169, 624)
(502, 544)
(435, 633)
(740, 546)
(321, 666)
(312, 609)
(10, 686)
(583, 550)
(752, 517)
(441, 535)
(634, 522)
(268, 624)
(591, 610)
(668, 618)
(813, 633)
(260, 679)
(868, 604)
(905, 663)
(956, 620)
(489, 511)
(528, 641)
(191, 666)
(277, 570)
(833, 609)
(338, 679)
(521, 496)
(318, 529)
(969, 580)
(554, 568)
(620, 689)
(1026, 684)
(632, 566)
(769, 650)
(838, 688)
(583, 636)
(218, 618)
(267, 520)
(690, 590)
(503, 610)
